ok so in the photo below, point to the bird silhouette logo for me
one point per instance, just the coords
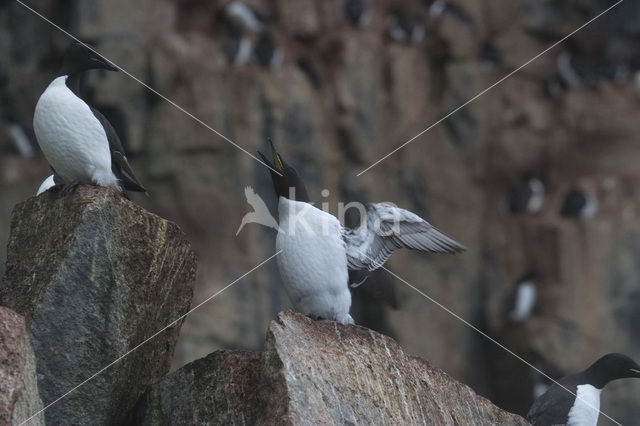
(260, 213)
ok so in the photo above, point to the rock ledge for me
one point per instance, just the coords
(316, 372)
(94, 275)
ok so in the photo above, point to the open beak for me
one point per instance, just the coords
(101, 63)
(277, 161)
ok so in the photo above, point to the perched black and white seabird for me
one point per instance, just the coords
(20, 138)
(577, 401)
(243, 16)
(578, 70)
(522, 299)
(527, 195)
(266, 52)
(405, 28)
(356, 12)
(78, 141)
(237, 47)
(439, 8)
(579, 204)
(317, 252)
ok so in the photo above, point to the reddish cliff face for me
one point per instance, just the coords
(372, 94)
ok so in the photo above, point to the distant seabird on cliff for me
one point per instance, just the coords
(317, 252)
(439, 8)
(406, 29)
(20, 139)
(522, 299)
(237, 47)
(356, 12)
(78, 141)
(527, 195)
(557, 406)
(243, 16)
(266, 52)
(579, 204)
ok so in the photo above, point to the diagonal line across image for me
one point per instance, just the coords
(130, 351)
(491, 339)
(478, 95)
(145, 85)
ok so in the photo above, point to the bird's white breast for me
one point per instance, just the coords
(586, 407)
(537, 195)
(71, 137)
(525, 301)
(313, 262)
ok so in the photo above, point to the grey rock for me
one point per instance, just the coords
(316, 372)
(19, 398)
(95, 275)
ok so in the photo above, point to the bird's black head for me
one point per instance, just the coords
(611, 367)
(79, 58)
(287, 183)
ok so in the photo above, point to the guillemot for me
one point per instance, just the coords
(577, 401)
(579, 204)
(527, 195)
(20, 138)
(405, 28)
(356, 12)
(522, 299)
(266, 52)
(78, 141)
(237, 47)
(317, 252)
(243, 16)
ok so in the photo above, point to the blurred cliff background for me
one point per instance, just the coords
(336, 90)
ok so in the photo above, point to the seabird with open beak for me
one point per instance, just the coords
(317, 252)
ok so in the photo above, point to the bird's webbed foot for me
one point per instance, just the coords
(67, 188)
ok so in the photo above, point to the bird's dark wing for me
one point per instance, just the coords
(388, 228)
(552, 407)
(119, 164)
(573, 203)
(518, 197)
(57, 179)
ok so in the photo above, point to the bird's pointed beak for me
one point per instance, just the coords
(265, 160)
(277, 160)
(102, 63)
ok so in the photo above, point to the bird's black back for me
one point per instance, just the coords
(119, 164)
(518, 197)
(573, 203)
(552, 408)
